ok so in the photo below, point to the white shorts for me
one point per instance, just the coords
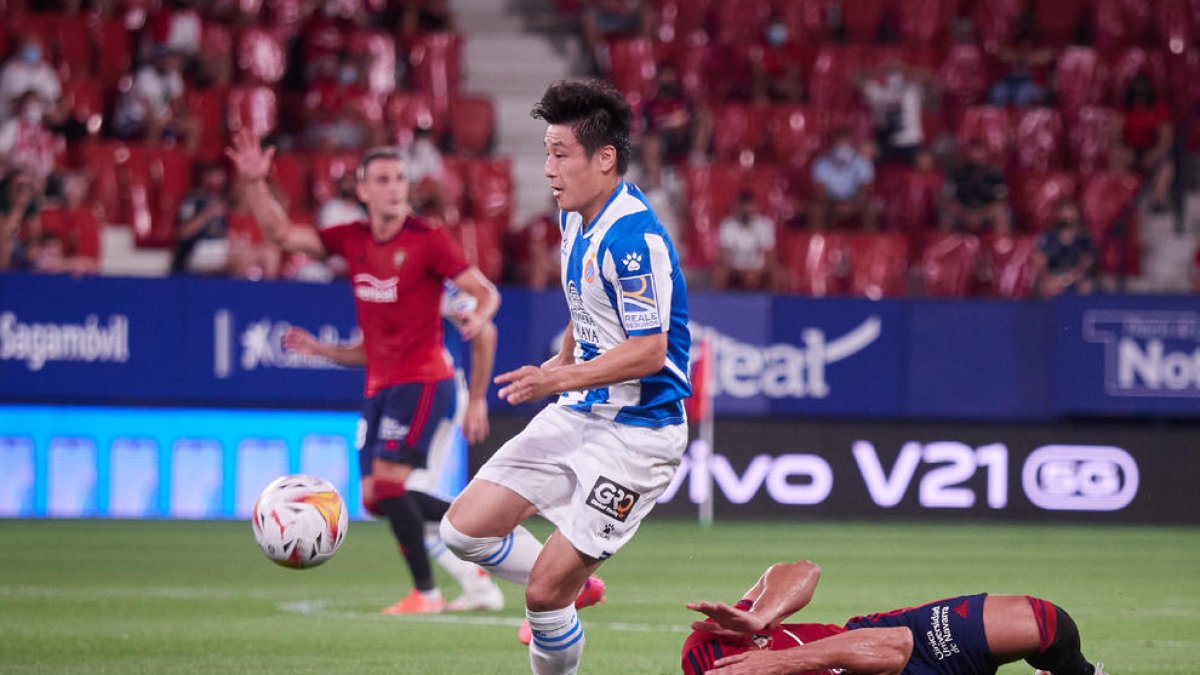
(593, 478)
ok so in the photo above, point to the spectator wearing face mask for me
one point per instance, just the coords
(27, 71)
(25, 140)
(154, 109)
(1065, 255)
(747, 248)
(894, 97)
(776, 65)
(977, 194)
(841, 179)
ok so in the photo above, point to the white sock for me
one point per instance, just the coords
(557, 641)
(468, 575)
(510, 557)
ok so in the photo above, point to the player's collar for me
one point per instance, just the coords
(590, 228)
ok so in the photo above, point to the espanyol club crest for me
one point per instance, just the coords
(589, 269)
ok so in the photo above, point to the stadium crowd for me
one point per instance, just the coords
(873, 148)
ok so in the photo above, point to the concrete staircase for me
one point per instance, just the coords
(121, 257)
(514, 49)
(1168, 249)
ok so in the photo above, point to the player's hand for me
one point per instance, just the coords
(247, 154)
(475, 422)
(469, 324)
(730, 621)
(527, 383)
(754, 663)
(301, 341)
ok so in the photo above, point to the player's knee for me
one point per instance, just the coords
(466, 547)
(544, 595)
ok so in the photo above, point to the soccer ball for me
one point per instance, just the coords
(299, 521)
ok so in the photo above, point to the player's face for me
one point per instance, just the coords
(577, 181)
(384, 189)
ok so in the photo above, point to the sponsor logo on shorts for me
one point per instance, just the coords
(941, 640)
(606, 532)
(612, 499)
(639, 304)
(392, 430)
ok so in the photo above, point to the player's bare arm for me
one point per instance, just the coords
(487, 301)
(566, 350)
(483, 359)
(253, 165)
(781, 591)
(637, 357)
(303, 342)
(867, 651)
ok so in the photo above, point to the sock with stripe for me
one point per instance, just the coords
(510, 557)
(394, 502)
(1058, 652)
(465, 573)
(557, 641)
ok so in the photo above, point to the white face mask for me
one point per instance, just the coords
(33, 113)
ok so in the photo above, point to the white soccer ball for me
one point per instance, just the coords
(299, 521)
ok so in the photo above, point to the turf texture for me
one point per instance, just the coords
(198, 597)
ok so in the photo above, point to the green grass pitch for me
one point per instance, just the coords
(192, 597)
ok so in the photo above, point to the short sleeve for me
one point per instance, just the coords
(638, 268)
(447, 260)
(334, 238)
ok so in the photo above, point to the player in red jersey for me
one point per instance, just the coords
(967, 635)
(398, 266)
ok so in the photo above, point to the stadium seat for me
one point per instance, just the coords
(964, 78)
(115, 43)
(216, 47)
(816, 262)
(950, 265)
(712, 190)
(878, 265)
(739, 131)
(1080, 79)
(1121, 23)
(1129, 63)
(472, 124)
(376, 50)
(794, 135)
(292, 174)
(435, 67)
(910, 198)
(73, 46)
(741, 21)
(995, 22)
(327, 168)
(633, 67)
(99, 160)
(1009, 264)
(171, 180)
(680, 19)
(1059, 22)
(924, 21)
(1109, 209)
(772, 192)
(254, 107)
(1185, 81)
(407, 111)
(208, 105)
(1037, 144)
(990, 125)
(489, 189)
(481, 243)
(831, 85)
(1035, 195)
(260, 56)
(85, 99)
(862, 19)
(1091, 136)
(807, 20)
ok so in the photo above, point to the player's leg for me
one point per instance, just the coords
(1041, 633)
(558, 638)
(483, 526)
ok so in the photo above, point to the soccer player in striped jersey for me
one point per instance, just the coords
(594, 462)
(966, 635)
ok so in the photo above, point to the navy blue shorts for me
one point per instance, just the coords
(948, 636)
(398, 423)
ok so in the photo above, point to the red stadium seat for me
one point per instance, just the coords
(995, 22)
(171, 176)
(1009, 260)
(1037, 139)
(950, 265)
(1185, 81)
(1035, 195)
(115, 45)
(84, 98)
(216, 48)
(739, 131)
(254, 107)
(862, 19)
(435, 67)
(1091, 137)
(807, 20)
(1109, 200)
(964, 78)
(327, 168)
(741, 21)
(407, 111)
(832, 83)
(1080, 77)
(1058, 22)
(99, 160)
(910, 198)
(260, 56)
(816, 262)
(990, 125)
(795, 137)
(376, 50)
(679, 19)
(489, 186)
(773, 195)
(1121, 23)
(633, 68)
(292, 174)
(878, 265)
(924, 21)
(208, 105)
(711, 190)
(1133, 61)
(481, 243)
(472, 125)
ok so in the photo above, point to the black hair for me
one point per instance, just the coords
(378, 152)
(594, 109)
(1140, 90)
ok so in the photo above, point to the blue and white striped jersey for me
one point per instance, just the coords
(622, 278)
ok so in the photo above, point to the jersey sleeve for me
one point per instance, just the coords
(447, 257)
(334, 238)
(638, 268)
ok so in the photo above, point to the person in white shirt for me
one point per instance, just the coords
(153, 108)
(747, 246)
(894, 97)
(25, 141)
(27, 71)
(343, 207)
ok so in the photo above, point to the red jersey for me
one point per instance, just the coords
(702, 650)
(397, 295)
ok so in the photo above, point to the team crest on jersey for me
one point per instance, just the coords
(398, 259)
(639, 304)
(612, 499)
(589, 269)
(632, 261)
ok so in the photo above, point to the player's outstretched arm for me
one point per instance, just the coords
(253, 165)
(637, 357)
(487, 301)
(304, 342)
(566, 350)
(866, 651)
(782, 590)
(483, 359)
